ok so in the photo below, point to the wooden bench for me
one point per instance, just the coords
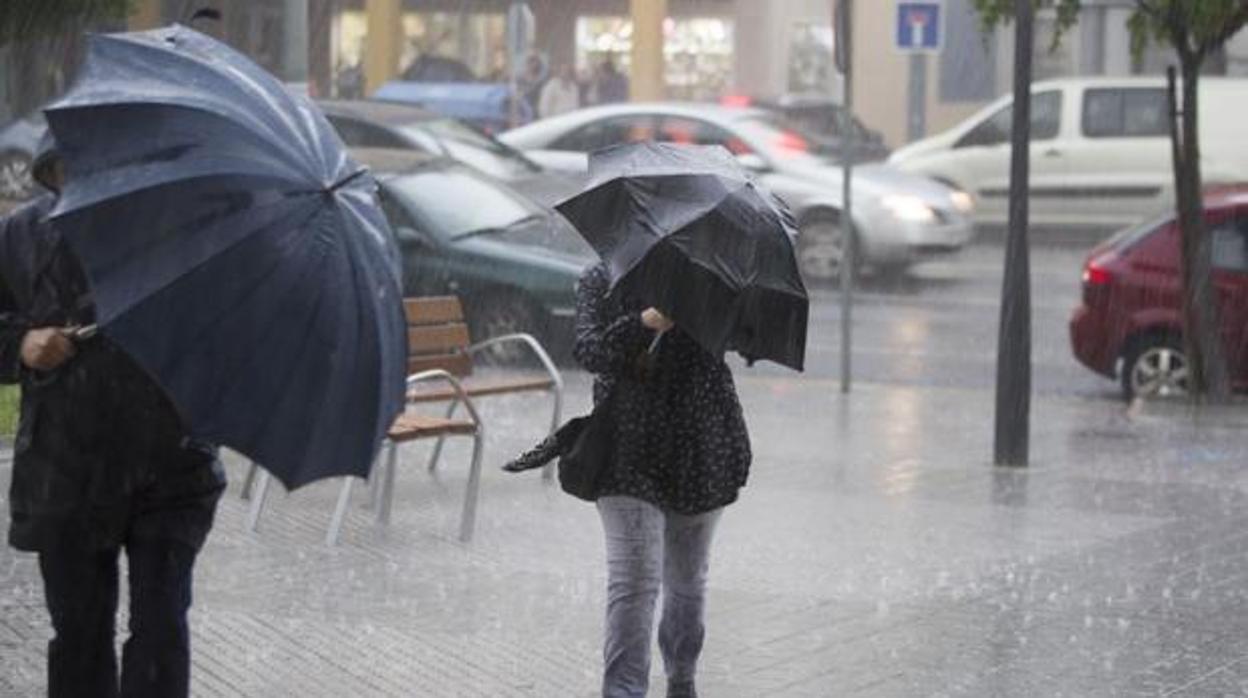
(438, 338)
(440, 366)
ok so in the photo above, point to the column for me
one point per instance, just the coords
(556, 30)
(646, 76)
(385, 43)
(1117, 43)
(295, 41)
(147, 14)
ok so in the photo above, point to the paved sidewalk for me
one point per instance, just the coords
(875, 553)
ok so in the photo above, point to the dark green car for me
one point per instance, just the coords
(514, 263)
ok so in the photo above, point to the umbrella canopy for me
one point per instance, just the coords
(234, 250)
(688, 231)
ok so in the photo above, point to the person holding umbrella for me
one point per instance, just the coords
(101, 463)
(681, 453)
(696, 261)
(215, 269)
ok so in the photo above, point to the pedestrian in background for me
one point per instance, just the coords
(101, 463)
(680, 453)
(611, 86)
(532, 80)
(561, 94)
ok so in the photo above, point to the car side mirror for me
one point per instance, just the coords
(753, 162)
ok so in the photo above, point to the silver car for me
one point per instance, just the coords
(900, 218)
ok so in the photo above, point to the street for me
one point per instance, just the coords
(937, 325)
(875, 551)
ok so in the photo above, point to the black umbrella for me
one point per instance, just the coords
(234, 250)
(685, 229)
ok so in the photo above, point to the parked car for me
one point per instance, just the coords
(900, 218)
(448, 87)
(1100, 153)
(373, 124)
(18, 141)
(823, 119)
(514, 263)
(1129, 326)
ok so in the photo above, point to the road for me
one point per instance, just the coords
(937, 326)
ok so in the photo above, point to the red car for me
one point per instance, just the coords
(1128, 325)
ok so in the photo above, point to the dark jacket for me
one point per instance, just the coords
(98, 446)
(680, 436)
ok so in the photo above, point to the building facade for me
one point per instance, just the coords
(908, 97)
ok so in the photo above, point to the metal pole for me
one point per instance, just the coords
(916, 123)
(1014, 340)
(849, 253)
(295, 42)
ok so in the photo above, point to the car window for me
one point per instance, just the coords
(608, 132)
(777, 138)
(1230, 246)
(396, 215)
(360, 134)
(473, 148)
(455, 201)
(1125, 113)
(824, 120)
(1046, 121)
(686, 131)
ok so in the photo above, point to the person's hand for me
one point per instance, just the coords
(655, 320)
(46, 348)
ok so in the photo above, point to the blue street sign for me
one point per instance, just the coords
(919, 26)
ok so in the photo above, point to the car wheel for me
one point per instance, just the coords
(15, 179)
(821, 247)
(502, 314)
(1154, 366)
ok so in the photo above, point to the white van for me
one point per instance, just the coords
(1100, 152)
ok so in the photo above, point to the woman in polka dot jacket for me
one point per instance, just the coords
(681, 453)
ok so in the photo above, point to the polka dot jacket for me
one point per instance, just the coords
(680, 436)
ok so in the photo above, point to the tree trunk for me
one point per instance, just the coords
(1207, 370)
(1013, 429)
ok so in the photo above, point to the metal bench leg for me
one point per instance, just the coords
(468, 523)
(387, 487)
(548, 472)
(437, 447)
(374, 486)
(340, 512)
(257, 501)
(248, 481)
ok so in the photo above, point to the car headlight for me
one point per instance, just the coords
(963, 202)
(908, 208)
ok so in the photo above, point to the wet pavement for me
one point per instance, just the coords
(876, 552)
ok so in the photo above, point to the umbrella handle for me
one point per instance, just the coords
(654, 344)
(83, 333)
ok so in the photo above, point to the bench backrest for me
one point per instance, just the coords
(436, 335)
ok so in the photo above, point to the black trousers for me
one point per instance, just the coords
(81, 587)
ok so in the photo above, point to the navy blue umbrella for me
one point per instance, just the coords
(686, 230)
(234, 250)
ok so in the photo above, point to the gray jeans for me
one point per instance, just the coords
(648, 548)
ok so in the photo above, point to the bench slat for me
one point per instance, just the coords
(432, 392)
(457, 364)
(409, 427)
(436, 339)
(433, 310)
